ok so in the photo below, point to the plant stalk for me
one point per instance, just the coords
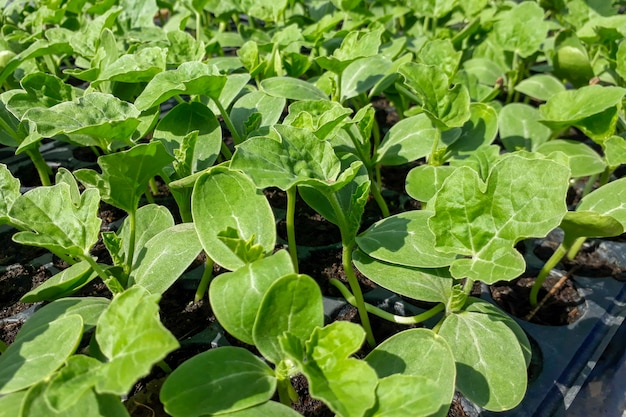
(132, 225)
(291, 227)
(286, 392)
(207, 276)
(556, 257)
(42, 167)
(550, 293)
(229, 123)
(345, 292)
(110, 281)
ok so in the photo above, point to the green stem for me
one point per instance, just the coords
(405, 92)
(345, 292)
(154, 188)
(575, 247)
(110, 281)
(207, 276)
(556, 257)
(432, 159)
(376, 192)
(468, 285)
(286, 392)
(226, 153)
(198, 27)
(164, 366)
(132, 225)
(589, 184)
(291, 227)
(42, 167)
(229, 123)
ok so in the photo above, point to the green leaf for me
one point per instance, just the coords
(61, 284)
(491, 367)
(292, 89)
(522, 29)
(189, 78)
(447, 107)
(356, 44)
(484, 221)
(345, 384)
(432, 8)
(621, 60)
(89, 404)
(270, 408)
(269, 107)
(183, 47)
(236, 296)
(441, 53)
(78, 376)
(615, 151)
(88, 308)
(520, 127)
(228, 199)
(293, 304)
(585, 223)
(141, 66)
(38, 351)
(186, 118)
(40, 90)
(540, 86)
(583, 161)
(425, 284)
(404, 239)
(132, 338)
(298, 158)
(408, 140)
(9, 192)
(55, 223)
(608, 200)
(402, 395)
(570, 59)
(363, 74)
(221, 380)
(323, 117)
(233, 86)
(104, 119)
(11, 404)
(165, 257)
(423, 182)
(592, 108)
(478, 131)
(150, 220)
(125, 174)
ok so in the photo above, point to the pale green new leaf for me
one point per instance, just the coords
(9, 192)
(299, 158)
(89, 404)
(125, 174)
(186, 118)
(78, 376)
(189, 78)
(345, 384)
(484, 221)
(228, 199)
(292, 304)
(165, 257)
(425, 284)
(236, 296)
(101, 117)
(609, 200)
(55, 223)
(522, 29)
(491, 366)
(404, 239)
(218, 381)
(38, 351)
(447, 106)
(408, 140)
(583, 160)
(131, 353)
(323, 117)
(441, 53)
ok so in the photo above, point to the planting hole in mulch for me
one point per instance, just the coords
(564, 307)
